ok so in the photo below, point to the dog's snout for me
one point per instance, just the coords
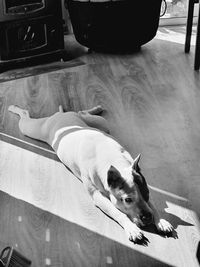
(146, 218)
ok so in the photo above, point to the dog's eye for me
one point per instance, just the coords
(128, 200)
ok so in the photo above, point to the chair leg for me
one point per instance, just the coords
(197, 47)
(189, 25)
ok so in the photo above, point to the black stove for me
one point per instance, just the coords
(30, 29)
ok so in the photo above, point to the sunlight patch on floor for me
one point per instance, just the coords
(46, 184)
(173, 35)
(185, 214)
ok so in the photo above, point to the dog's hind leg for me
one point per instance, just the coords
(28, 126)
(92, 117)
(94, 111)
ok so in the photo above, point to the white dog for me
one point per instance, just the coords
(110, 175)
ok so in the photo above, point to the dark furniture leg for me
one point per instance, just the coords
(189, 32)
(197, 47)
(189, 25)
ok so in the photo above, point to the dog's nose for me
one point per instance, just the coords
(146, 218)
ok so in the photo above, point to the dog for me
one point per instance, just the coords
(109, 174)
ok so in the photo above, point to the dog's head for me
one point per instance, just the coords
(130, 193)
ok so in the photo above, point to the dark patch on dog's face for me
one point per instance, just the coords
(114, 178)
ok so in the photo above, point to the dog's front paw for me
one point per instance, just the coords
(164, 226)
(133, 232)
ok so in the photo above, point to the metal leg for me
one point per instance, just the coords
(189, 25)
(197, 47)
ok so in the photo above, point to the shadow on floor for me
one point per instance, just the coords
(29, 144)
(42, 236)
(198, 253)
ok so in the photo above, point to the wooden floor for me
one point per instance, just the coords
(152, 102)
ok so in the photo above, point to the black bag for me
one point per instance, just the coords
(116, 26)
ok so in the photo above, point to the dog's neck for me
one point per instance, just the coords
(123, 162)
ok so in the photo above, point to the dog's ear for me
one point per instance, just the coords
(136, 166)
(114, 178)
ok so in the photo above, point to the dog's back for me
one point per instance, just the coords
(89, 152)
(86, 151)
(58, 121)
